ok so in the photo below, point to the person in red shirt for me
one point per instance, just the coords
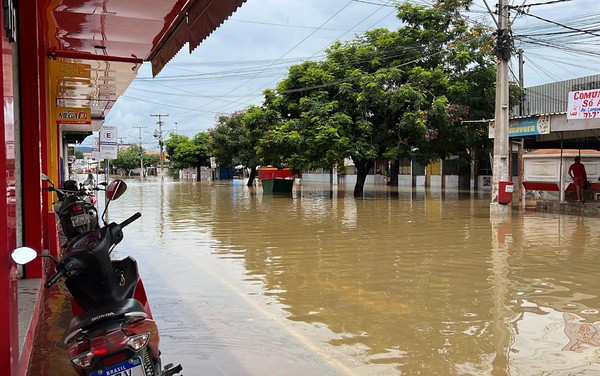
(579, 176)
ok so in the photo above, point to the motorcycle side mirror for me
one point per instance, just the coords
(115, 189)
(23, 255)
(45, 177)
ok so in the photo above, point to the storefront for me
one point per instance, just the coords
(64, 65)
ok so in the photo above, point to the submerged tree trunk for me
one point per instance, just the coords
(362, 169)
(252, 176)
(395, 170)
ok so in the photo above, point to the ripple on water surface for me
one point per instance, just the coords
(398, 282)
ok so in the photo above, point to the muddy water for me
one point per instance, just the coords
(396, 283)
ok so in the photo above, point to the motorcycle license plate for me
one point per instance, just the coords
(81, 219)
(131, 367)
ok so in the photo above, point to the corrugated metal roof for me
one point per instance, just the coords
(528, 116)
(552, 98)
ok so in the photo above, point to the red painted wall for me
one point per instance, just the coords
(9, 340)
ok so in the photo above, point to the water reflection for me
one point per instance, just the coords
(398, 282)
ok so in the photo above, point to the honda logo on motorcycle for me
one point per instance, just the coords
(102, 316)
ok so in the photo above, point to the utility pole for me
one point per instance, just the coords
(521, 84)
(501, 145)
(158, 135)
(142, 173)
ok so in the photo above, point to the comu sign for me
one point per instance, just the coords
(584, 104)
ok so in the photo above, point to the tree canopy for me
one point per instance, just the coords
(184, 152)
(389, 94)
(235, 138)
(129, 159)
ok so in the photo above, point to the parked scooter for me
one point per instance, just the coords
(75, 208)
(112, 331)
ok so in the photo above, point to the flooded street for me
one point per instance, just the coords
(395, 283)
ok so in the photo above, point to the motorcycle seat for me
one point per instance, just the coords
(129, 307)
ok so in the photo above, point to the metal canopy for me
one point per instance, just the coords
(114, 37)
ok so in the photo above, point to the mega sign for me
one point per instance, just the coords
(70, 115)
(584, 104)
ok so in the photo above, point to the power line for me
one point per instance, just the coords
(558, 24)
(338, 38)
(291, 49)
(536, 4)
(570, 32)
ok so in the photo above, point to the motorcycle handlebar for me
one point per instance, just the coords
(130, 219)
(55, 277)
(79, 192)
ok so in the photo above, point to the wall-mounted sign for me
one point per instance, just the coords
(584, 104)
(65, 69)
(73, 115)
(530, 126)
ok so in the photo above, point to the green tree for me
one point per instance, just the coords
(150, 159)
(128, 159)
(185, 152)
(226, 139)
(235, 138)
(388, 94)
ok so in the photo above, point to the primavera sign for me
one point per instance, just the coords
(584, 104)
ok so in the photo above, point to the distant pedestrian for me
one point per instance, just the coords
(90, 181)
(579, 176)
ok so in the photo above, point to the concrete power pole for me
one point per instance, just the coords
(501, 145)
(158, 134)
(142, 173)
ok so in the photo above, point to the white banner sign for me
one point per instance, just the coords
(584, 104)
(108, 142)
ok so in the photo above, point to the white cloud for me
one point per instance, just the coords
(252, 50)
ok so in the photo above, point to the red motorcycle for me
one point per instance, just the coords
(112, 331)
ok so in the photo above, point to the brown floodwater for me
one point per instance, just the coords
(399, 282)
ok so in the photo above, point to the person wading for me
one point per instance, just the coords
(579, 176)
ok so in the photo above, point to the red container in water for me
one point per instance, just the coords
(273, 173)
(505, 192)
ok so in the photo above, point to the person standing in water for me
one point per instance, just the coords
(578, 174)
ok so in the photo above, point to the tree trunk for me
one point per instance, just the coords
(362, 169)
(395, 170)
(252, 176)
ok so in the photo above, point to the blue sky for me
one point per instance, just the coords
(253, 49)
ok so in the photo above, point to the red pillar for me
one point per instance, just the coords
(31, 106)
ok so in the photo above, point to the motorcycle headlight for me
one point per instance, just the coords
(138, 341)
